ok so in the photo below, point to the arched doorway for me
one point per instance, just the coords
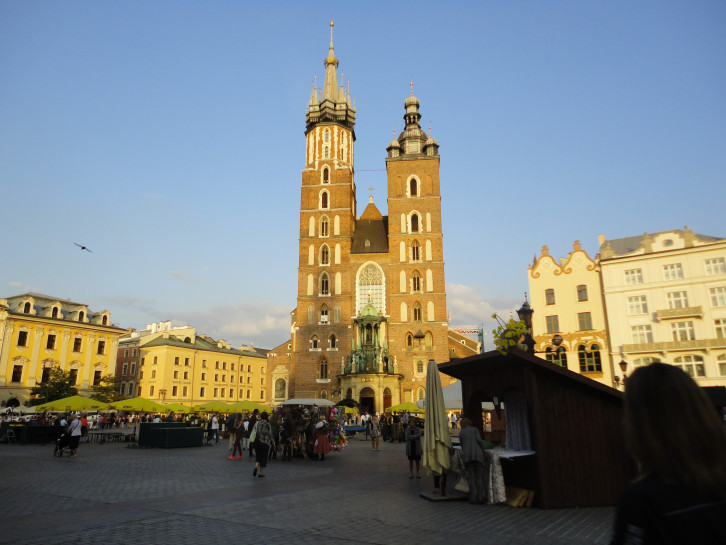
(387, 397)
(367, 401)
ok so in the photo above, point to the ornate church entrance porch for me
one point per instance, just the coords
(367, 401)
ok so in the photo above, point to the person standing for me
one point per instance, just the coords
(229, 426)
(74, 431)
(414, 450)
(454, 418)
(375, 431)
(237, 428)
(251, 426)
(678, 441)
(215, 428)
(263, 442)
(322, 443)
(472, 455)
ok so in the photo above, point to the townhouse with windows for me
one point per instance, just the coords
(39, 332)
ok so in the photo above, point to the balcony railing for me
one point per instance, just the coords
(686, 312)
(669, 346)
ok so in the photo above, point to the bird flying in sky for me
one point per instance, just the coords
(83, 247)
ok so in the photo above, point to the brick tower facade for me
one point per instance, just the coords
(371, 303)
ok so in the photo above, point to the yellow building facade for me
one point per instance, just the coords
(38, 332)
(182, 366)
(569, 320)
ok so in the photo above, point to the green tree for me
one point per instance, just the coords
(57, 386)
(508, 334)
(107, 390)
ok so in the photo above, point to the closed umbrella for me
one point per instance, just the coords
(437, 441)
(72, 403)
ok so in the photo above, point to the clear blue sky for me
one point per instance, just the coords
(168, 137)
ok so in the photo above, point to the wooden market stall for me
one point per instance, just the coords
(571, 422)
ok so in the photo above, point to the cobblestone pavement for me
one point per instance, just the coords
(112, 494)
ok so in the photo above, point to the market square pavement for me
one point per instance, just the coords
(112, 494)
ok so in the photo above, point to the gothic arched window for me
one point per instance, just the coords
(324, 284)
(323, 368)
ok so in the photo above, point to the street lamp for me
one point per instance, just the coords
(525, 314)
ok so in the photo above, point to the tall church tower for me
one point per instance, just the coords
(327, 223)
(371, 302)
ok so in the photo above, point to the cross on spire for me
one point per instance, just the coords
(371, 197)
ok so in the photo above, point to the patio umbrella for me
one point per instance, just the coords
(409, 406)
(177, 407)
(309, 401)
(248, 406)
(138, 405)
(72, 403)
(437, 441)
(213, 407)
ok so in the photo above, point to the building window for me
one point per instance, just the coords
(324, 200)
(550, 297)
(133, 368)
(153, 374)
(720, 325)
(314, 342)
(45, 377)
(123, 388)
(96, 378)
(176, 360)
(673, 271)
(186, 375)
(333, 341)
(558, 357)
(249, 394)
(124, 368)
(22, 338)
(409, 342)
(174, 391)
(416, 282)
(186, 362)
(413, 187)
(81, 316)
(419, 367)
(324, 368)
(715, 266)
(429, 341)
(637, 305)
(133, 352)
(101, 347)
(693, 365)
(176, 374)
(77, 344)
(582, 292)
(584, 320)
(324, 284)
(17, 373)
(642, 362)
(682, 331)
(324, 227)
(50, 342)
(336, 314)
(324, 255)
(722, 365)
(126, 353)
(552, 323)
(718, 296)
(73, 377)
(326, 176)
(589, 360)
(201, 391)
(633, 276)
(204, 363)
(641, 334)
(415, 251)
(54, 314)
(677, 299)
(414, 223)
(417, 312)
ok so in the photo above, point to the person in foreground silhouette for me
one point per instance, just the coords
(679, 443)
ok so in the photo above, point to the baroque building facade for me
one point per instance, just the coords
(38, 333)
(371, 302)
(570, 326)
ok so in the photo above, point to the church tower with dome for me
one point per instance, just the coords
(371, 302)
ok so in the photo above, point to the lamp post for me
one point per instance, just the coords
(525, 314)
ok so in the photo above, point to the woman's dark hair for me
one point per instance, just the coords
(672, 430)
(264, 415)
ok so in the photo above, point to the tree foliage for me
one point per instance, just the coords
(108, 389)
(57, 386)
(508, 334)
